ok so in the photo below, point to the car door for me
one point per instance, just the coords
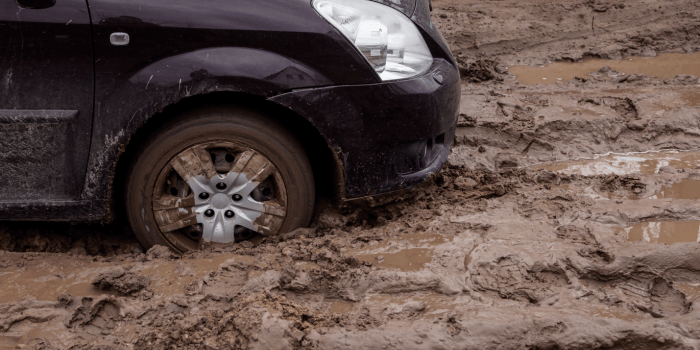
(46, 99)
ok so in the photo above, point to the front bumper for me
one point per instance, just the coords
(388, 136)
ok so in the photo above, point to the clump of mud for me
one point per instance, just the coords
(477, 71)
(121, 281)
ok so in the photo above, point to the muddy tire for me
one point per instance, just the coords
(221, 175)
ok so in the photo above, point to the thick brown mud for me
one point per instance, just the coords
(567, 217)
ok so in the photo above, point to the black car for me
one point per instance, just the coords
(212, 120)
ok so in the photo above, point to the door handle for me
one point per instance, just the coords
(36, 4)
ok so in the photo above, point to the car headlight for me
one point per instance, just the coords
(390, 42)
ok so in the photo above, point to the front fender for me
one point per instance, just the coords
(135, 98)
(242, 69)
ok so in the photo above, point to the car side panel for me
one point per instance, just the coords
(46, 100)
(181, 48)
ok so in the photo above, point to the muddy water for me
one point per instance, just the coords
(405, 251)
(406, 260)
(685, 189)
(625, 163)
(667, 232)
(46, 276)
(662, 66)
(340, 307)
(45, 281)
(171, 278)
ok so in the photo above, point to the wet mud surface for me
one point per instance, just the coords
(567, 217)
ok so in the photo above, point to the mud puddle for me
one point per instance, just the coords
(667, 232)
(685, 189)
(407, 260)
(406, 251)
(663, 66)
(625, 163)
(47, 276)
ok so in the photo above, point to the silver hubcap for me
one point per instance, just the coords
(214, 191)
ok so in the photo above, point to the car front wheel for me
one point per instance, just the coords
(218, 175)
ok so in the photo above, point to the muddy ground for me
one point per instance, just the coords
(567, 217)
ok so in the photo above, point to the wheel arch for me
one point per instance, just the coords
(327, 167)
(135, 103)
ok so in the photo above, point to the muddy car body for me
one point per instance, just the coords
(85, 88)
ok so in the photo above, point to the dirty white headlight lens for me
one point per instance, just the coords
(390, 42)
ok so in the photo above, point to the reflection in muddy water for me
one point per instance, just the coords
(663, 66)
(686, 189)
(625, 163)
(668, 232)
(405, 260)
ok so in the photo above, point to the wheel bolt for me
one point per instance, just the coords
(221, 186)
(204, 196)
(209, 213)
(237, 197)
(229, 214)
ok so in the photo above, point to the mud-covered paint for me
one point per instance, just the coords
(46, 100)
(369, 137)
